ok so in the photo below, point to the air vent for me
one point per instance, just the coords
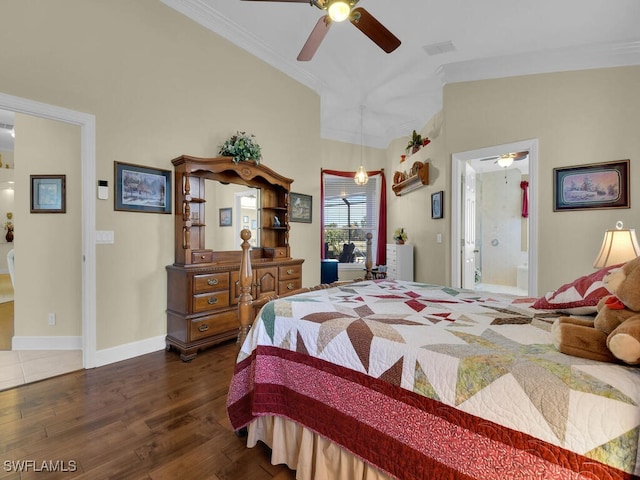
(439, 48)
(6, 127)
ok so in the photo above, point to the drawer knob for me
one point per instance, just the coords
(212, 300)
(290, 286)
(212, 281)
(290, 271)
(203, 328)
(202, 257)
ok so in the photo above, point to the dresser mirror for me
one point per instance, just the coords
(231, 208)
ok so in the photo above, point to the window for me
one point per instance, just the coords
(349, 212)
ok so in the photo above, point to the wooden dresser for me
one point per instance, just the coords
(203, 284)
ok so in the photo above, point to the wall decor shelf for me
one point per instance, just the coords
(418, 177)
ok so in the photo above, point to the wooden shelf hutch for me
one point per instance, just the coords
(203, 284)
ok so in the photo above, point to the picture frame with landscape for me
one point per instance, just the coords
(591, 186)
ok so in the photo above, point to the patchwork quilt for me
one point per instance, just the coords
(425, 381)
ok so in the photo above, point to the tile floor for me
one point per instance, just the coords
(26, 366)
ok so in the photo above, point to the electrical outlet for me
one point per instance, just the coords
(52, 319)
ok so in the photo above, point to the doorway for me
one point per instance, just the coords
(86, 122)
(482, 238)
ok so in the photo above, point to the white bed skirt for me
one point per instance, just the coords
(312, 457)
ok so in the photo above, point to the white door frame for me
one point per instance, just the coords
(458, 160)
(87, 124)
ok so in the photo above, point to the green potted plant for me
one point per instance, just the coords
(242, 147)
(416, 142)
(400, 236)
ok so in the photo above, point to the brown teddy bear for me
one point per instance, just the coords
(614, 334)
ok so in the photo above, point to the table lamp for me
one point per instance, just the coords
(618, 246)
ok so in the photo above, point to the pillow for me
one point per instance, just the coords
(579, 297)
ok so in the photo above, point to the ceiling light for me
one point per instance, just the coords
(13, 133)
(505, 162)
(339, 11)
(361, 177)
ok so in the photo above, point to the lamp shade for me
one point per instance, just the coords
(618, 246)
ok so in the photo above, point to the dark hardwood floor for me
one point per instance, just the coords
(151, 417)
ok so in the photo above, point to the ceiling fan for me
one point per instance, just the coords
(506, 159)
(338, 11)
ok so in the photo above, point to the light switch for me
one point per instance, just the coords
(438, 238)
(104, 236)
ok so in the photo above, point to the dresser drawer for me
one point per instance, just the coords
(213, 325)
(276, 252)
(207, 301)
(285, 286)
(201, 256)
(287, 272)
(210, 282)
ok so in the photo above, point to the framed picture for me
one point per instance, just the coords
(254, 224)
(245, 219)
(48, 194)
(437, 204)
(225, 217)
(301, 207)
(591, 186)
(142, 189)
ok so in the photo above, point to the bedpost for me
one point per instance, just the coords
(246, 276)
(368, 263)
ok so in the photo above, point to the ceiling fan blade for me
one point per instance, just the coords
(372, 28)
(520, 155)
(488, 158)
(315, 39)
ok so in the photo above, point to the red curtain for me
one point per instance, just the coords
(381, 254)
(524, 185)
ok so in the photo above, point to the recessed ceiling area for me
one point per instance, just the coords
(443, 41)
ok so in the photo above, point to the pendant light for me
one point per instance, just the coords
(361, 177)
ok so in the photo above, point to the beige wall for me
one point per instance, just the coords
(48, 246)
(579, 118)
(413, 210)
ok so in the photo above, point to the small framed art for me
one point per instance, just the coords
(437, 204)
(142, 189)
(225, 217)
(591, 186)
(48, 194)
(301, 206)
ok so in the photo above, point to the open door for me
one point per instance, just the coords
(469, 228)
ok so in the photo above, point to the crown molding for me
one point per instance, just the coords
(585, 57)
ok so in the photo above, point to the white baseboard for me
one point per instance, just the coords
(103, 357)
(129, 350)
(46, 343)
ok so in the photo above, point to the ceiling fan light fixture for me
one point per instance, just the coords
(505, 162)
(339, 11)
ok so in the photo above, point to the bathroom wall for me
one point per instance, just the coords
(500, 212)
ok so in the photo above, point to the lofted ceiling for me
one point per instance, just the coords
(443, 41)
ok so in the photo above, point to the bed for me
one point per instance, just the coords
(388, 379)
